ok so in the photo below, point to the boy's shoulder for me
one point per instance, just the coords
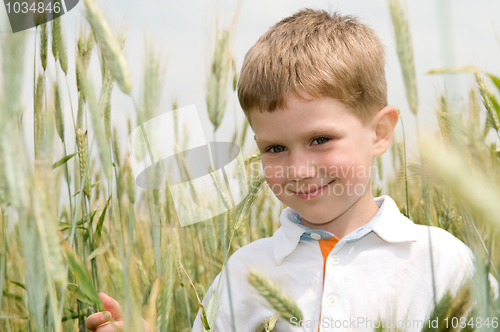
(254, 251)
(442, 242)
(445, 247)
(450, 260)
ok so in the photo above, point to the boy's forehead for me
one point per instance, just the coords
(304, 118)
(279, 126)
(267, 136)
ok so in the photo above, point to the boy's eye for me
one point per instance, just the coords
(321, 140)
(276, 146)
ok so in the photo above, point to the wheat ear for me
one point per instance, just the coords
(278, 299)
(110, 48)
(405, 51)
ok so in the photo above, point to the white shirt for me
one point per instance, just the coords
(384, 264)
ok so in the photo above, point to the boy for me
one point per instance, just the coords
(313, 89)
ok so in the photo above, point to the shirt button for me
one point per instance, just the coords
(335, 259)
(332, 300)
(315, 236)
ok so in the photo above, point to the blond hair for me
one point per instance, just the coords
(322, 54)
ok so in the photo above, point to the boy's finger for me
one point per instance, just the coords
(94, 320)
(111, 327)
(111, 305)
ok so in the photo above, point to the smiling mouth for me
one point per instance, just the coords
(313, 191)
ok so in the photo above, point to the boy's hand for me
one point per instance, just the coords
(100, 321)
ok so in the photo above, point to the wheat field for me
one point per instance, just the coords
(117, 238)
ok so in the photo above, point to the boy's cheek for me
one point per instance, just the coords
(279, 186)
(276, 184)
(274, 174)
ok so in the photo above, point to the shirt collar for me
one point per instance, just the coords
(389, 224)
(311, 234)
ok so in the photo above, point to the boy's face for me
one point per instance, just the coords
(317, 155)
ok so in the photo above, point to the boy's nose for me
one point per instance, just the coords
(301, 167)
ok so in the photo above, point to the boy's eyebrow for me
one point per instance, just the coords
(324, 130)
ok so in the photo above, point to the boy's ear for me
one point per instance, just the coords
(383, 125)
(254, 138)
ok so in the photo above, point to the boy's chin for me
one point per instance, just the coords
(319, 219)
(318, 216)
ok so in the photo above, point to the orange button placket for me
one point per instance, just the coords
(326, 247)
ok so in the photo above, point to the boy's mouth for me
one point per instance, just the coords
(309, 192)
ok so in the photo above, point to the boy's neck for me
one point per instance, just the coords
(358, 214)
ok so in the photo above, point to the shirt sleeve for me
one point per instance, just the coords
(198, 326)
(453, 262)
(494, 286)
(233, 301)
(212, 303)
(467, 269)
(470, 263)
